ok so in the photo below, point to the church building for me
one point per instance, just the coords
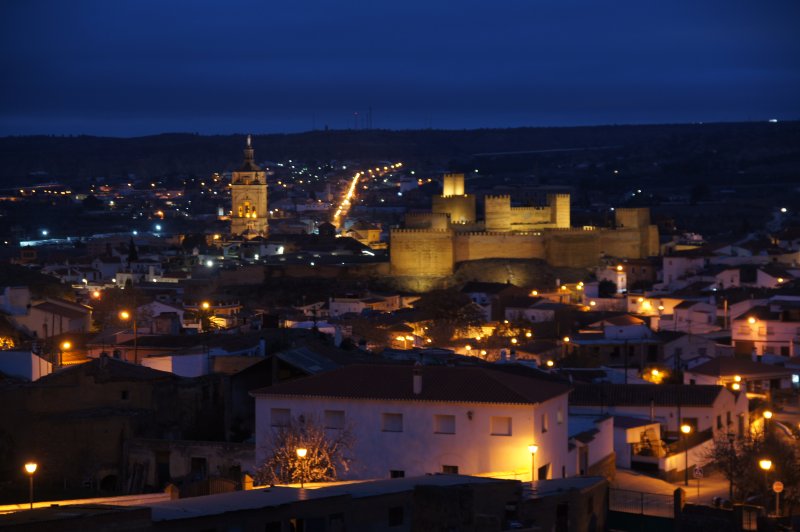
(249, 198)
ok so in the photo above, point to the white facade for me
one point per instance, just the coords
(425, 437)
(728, 411)
(24, 365)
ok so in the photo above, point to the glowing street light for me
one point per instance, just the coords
(685, 430)
(125, 315)
(30, 468)
(533, 449)
(301, 454)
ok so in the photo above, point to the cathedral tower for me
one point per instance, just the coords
(249, 198)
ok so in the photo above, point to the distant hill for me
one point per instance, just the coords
(70, 158)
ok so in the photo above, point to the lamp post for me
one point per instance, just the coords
(30, 468)
(301, 454)
(124, 315)
(766, 465)
(767, 417)
(64, 347)
(685, 430)
(533, 448)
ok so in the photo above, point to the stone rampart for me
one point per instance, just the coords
(421, 252)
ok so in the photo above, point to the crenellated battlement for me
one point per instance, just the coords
(420, 231)
(451, 234)
(499, 234)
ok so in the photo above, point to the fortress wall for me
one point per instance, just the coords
(638, 217)
(453, 185)
(426, 220)
(476, 246)
(653, 246)
(460, 208)
(559, 210)
(530, 215)
(421, 252)
(498, 213)
(626, 243)
(572, 248)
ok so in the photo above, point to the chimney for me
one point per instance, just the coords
(417, 385)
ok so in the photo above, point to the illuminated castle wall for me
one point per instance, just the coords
(431, 244)
(249, 198)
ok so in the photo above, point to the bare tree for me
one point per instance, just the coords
(326, 453)
(738, 459)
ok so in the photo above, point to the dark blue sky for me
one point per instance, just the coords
(125, 68)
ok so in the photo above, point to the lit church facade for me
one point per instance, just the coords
(249, 198)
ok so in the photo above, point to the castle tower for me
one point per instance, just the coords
(249, 198)
(453, 185)
(497, 213)
(453, 202)
(559, 210)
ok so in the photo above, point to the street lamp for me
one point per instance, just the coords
(685, 430)
(533, 448)
(124, 315)
(301, 454)
(766, 465)
(767, 417)
(65, 346)
(30, 468)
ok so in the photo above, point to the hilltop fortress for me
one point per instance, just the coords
(431, 244)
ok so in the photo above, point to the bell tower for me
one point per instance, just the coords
(249, 198)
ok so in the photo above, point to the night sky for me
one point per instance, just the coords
(136, 67)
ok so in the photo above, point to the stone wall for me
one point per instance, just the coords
(421, 252)
(574, 248)
(487, 245)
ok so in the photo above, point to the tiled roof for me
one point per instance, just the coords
(722, 366)
(439, 383)
(105, 369)
(644, 394)
(67, 312)
(623, 320)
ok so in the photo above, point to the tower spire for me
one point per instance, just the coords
(248, 153)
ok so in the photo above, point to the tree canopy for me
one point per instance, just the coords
(326, 452)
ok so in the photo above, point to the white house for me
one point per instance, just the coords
(415, 420)
(705, 407)
(768, 329)
(752, 377)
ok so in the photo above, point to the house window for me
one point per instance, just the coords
(501, 426)
(560, 416)
(334, 419)
(392, 422)
(397, 473)
(280, 417)
(124, 395)
(545, 423)
(450, 469)
(719, 421)
(728, 417)
(396, 516)
(444, 424)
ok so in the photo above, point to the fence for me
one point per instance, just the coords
(639, 502)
